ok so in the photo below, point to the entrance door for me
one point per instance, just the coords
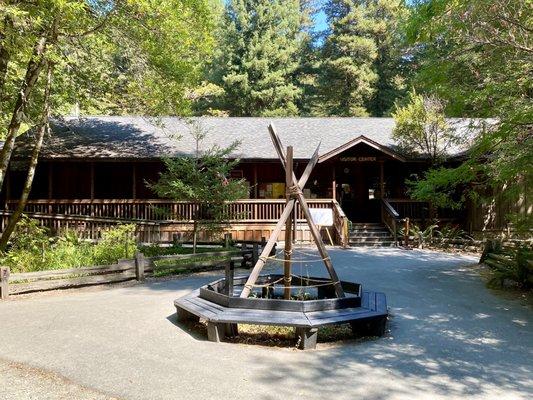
(359, 187)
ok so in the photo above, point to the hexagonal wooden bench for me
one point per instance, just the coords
(367, 320)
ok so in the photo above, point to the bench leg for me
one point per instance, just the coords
(216, 332)
(372, 327)
(306, 338)
(184, 315)
(231, 330)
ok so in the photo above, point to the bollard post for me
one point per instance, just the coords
(230, 271)
(139, 266)
(4, 283)
(244, 248)
(406, 232)
(255, 253)
(227, 240)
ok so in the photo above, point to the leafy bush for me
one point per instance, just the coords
(32, 249)
(451, 232)
(514, 266)
(420, 236)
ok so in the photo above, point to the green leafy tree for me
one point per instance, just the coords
(203, 180)
(107, 56)
(392, 64)
(257, 58)
(421, 127)
(349, 54)
(476, 54)
(364, 69)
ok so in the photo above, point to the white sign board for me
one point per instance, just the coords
(322, 216)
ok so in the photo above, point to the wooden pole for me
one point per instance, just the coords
(334, 184)
(50, 181)
(381, 180)
(139, 266)
(4, 283)
(288, 227)
(230, 271)
(256, 189)
(134, 182)
(92, 181)
(321, 248)
(267, 249)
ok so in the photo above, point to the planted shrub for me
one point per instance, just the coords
(33, 249)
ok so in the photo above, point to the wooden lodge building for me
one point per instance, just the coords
(93, 171)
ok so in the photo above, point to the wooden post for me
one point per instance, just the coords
(4, 283)
(139, 266)
(244, 249)
(92, 181)
(266, 250)
(334, 184)
(227, 240)
(381, 180)
(230, 271)
(255, 253)
(134, 182)
(406, 232)
(50, 181)
(256, 189)
(288, 227)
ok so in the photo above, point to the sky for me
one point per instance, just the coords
(320, 22)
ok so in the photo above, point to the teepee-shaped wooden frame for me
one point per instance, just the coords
(293, 194)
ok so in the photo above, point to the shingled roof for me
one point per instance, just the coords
(126, 137)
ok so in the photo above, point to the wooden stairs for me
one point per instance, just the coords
(370, 234)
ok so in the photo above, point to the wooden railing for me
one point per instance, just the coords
(395, 212)
(154, 216)
(415, 210)
(250, 210)
(340, 223)
(391, 218)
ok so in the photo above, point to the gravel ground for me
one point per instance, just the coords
(449, 338)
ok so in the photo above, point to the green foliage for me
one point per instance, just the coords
(442, 186)
(109, 56)
(203, 180)
(362, 63)
(421, 127)
(257, 57)
(32, 249)
(421, 236)
(514, 266)
(451, 232)
(476, 54)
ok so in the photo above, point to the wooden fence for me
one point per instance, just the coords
(124, 270)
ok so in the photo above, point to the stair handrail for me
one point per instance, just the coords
(390, 218)
(340, 221)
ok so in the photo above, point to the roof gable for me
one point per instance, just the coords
(357, 141)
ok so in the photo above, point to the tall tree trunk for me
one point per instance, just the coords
(43, 128)
(35, 65)
(5, 56)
